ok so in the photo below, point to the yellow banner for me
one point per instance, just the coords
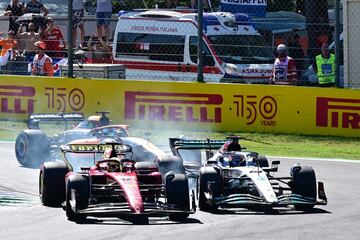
(189, 106)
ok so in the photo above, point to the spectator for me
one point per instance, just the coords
(52, 38)
(14, 10)
(27, 40)
(284, 71)
(78, 20)
(103, 17)
(100, 53)
(325, 67)
(14, 63)
(35, 6)
(42, 63)
(296, 52)
(7, 44)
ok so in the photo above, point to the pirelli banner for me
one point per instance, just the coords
(189, 106)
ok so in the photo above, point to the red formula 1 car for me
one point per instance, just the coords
(105, 180)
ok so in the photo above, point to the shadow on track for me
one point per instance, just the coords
(37, 166)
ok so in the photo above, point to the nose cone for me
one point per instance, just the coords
(138, 207)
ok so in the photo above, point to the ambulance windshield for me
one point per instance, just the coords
(243, 49)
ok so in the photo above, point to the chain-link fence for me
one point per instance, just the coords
(351, 43)
(158, 40)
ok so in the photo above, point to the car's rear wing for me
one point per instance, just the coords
(177, 143)
(36, 118)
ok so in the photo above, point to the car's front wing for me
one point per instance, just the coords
(118, 209)
(244, 200)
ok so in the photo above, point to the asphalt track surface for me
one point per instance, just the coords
(22, 216)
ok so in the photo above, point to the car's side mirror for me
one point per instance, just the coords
(275, 163)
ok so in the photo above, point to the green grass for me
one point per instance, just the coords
(9, 130)
(268, 144)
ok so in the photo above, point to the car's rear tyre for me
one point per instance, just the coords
(80, 185)
(208, 175)
(169, 163)
(52, 183)
(177, 193)
(304, 184)
(32, 148)
(262, 160)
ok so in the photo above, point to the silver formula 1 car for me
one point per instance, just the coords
(33, 146)
(232, 177)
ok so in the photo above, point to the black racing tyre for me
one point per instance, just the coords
(262, 160)
(52, 183)
(177, 193)
(169, 163)
(81, 185)
(206, 175)
(32, 148)
(304, 184)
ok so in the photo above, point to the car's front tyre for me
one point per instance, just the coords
(208, 175)
(52, 183)
(304, 184)
(177, 193)
(77, 192)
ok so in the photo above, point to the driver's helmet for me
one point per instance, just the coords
(114, 166)
(233, 161)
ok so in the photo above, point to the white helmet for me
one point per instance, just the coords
(281, 47)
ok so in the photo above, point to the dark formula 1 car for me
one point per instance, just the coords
(33, 146)
(110, 179)
(233, 177)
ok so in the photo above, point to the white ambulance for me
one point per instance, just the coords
(162, 45)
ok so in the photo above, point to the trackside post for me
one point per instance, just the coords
(200, 75)
(70, 39)
(337, 44)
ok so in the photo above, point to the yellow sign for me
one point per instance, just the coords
(189, 106)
